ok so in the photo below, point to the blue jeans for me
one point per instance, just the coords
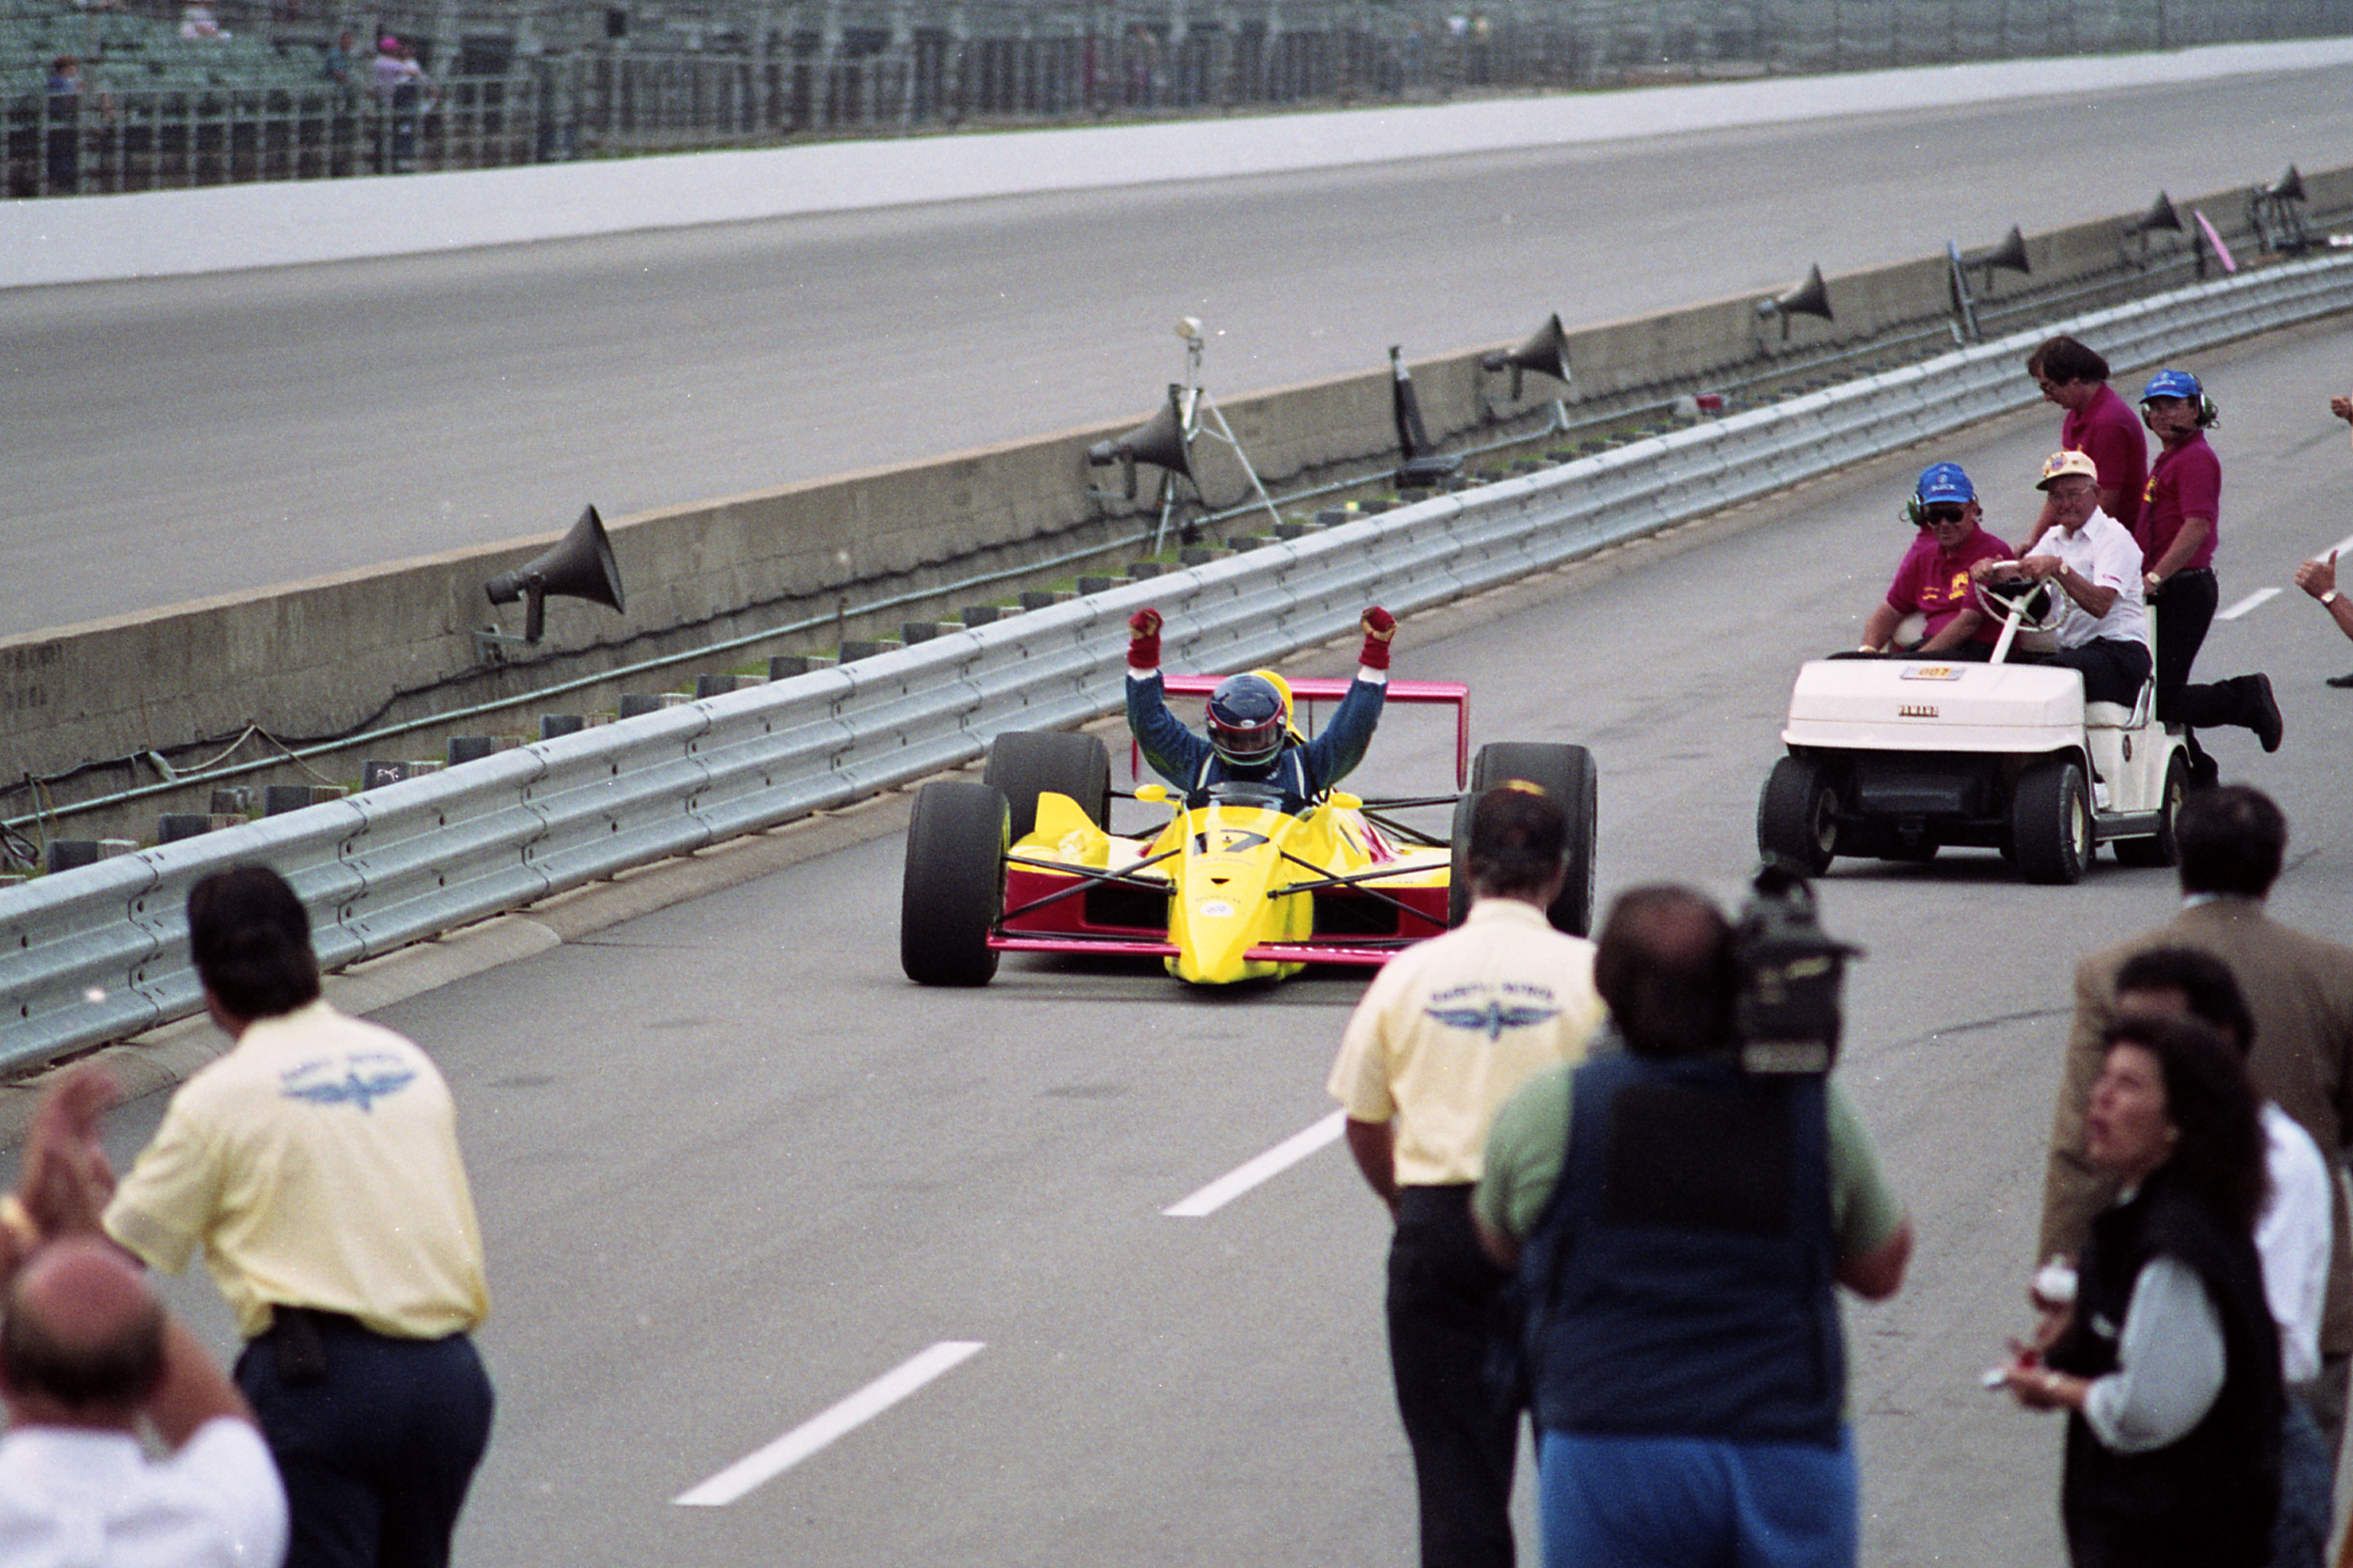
(1696, 1502)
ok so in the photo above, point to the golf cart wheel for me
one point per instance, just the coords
(2051, 823)
(1025, 763)
(2161, 848)
(1566, 773)
(1796, 816)
(955, 884)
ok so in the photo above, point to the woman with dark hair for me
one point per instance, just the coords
(2168, 1364)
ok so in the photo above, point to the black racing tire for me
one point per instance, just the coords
(1458, 877)
(2162, 847)
(1566, 773)
(2051, 823)
(1025, 763)
(1796, 814)
(953, 889)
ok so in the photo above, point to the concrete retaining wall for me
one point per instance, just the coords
(322, 657)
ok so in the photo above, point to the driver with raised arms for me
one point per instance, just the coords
(1250, 738)
(2095, 562)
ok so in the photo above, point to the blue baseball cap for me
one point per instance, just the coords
(1943, 482)
(2172, 383)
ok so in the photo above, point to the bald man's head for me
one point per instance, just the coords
(83, 1338)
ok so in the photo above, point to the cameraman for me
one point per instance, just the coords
(1678, 1225)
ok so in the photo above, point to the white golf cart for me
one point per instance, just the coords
(1894, 758)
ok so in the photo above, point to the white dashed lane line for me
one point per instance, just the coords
(2259, 597)
(768, 1464)
(1242, 1178)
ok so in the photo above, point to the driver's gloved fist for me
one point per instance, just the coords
(1379, 627)
(1143, 640)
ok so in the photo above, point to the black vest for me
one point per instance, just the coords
(1679, 1282)
(2207, 1500)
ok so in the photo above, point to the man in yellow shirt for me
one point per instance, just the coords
(1442, 1038)
(316, 1166)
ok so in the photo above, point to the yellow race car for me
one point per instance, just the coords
(1231, 886)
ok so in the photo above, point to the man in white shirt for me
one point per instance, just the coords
(86, 1354)
(2095, 560)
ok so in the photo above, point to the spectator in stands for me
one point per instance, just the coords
(198, 25)
(403, 87)
(64, 147)
(342, 62)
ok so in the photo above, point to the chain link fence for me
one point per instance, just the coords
(152, 112)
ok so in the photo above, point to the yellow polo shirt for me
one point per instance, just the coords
(316, 1165)
(1455, 1025)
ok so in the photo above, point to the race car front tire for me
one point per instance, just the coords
(954, 887)
(1025, 763)
(1565, 772)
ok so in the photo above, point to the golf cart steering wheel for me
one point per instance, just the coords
(2038, 606)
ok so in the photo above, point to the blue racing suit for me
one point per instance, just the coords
(1302, 771)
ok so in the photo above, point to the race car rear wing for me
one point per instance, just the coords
(1307, 690)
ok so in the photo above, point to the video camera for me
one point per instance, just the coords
(1787, 973)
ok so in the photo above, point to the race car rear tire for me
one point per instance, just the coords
(2161, 848)
(2051, 823)
(954, 887)
(1796, 814)
(1025, 763)
(1566, 773)
(1458, 876)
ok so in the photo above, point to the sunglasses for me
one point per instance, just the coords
(1942, 513)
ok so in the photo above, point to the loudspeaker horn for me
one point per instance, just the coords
(1545, 352)
(2288, 187)
(580, 566)
(2160, 214)
(1811, 298)
(2010, 255)
(1159, 440)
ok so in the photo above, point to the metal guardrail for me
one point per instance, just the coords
(100, 953)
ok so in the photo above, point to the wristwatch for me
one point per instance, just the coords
(2328, 598)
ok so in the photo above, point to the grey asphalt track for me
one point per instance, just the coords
(733, 1169)
(169, 440)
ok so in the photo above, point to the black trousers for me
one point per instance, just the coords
(376, 1441)
(2112, 669)
(1447, 1313)
(2185, 612)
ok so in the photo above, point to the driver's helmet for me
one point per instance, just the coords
(1246, 720)
(1283, 688)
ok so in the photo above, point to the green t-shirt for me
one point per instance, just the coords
(1530, 1137)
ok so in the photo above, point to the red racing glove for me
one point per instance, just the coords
(1379, 627)
(1144, 641)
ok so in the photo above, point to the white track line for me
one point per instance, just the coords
(2259, 597)
(807, 1438)
(1242, 1178)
